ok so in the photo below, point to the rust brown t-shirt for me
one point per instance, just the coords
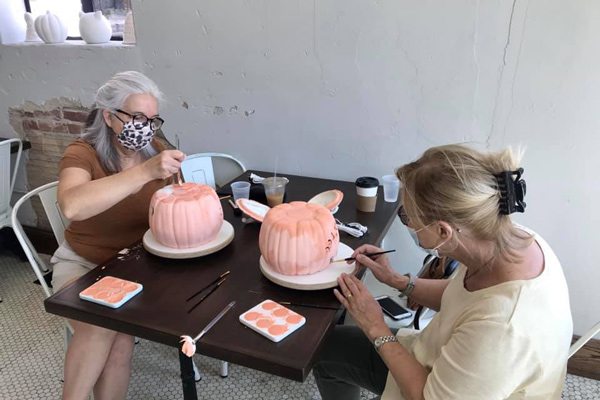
(98, 238)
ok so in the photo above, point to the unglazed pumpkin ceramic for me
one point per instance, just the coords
(50, 28)
(185, 216)
(298, 238)
(330, 199)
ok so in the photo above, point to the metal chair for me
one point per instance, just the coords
(48, 196)
(213, 169)
(7, 182)
(584, 339)
(423, 314)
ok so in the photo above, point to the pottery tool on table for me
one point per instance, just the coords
(214, 285)
(236, 210)
(365, 254)
(189, 345)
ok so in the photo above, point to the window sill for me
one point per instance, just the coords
(71, 43)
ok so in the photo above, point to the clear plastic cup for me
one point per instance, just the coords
(275, 190)
(391, 186)
(240, 190)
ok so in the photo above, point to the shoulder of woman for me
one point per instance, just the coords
(79, 146)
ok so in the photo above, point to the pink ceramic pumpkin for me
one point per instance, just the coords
(184, 216)
(298, 238)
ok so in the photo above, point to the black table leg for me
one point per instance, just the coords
(187, 377)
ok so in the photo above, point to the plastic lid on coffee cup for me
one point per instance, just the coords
(367, 182)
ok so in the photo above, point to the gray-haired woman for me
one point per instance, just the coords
(504, 324)
(106, 181)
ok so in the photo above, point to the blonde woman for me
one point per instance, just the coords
(504, 324)
(105, 184)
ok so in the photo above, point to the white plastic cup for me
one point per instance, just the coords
(391, 187)
(240, 190)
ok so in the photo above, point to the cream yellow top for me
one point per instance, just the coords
(509, 341)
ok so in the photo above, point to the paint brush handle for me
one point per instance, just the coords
(214, 321)
(224, 274)
(211, 291)
(288, 303)
(365, 254)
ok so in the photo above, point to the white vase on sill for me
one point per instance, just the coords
(94, 27)
(31, 35)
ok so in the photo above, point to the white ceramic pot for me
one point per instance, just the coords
(30, 34)
(50, 28)
(94, 27)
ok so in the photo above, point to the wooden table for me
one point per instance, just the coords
(159, 314)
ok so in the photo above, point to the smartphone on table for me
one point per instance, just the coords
(392, 308)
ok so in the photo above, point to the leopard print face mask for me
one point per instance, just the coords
(135, 136)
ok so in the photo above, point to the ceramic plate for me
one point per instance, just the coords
(253, 208)
(224, 237)
(324, 279)
(330, 199)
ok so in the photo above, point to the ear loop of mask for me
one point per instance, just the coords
(434, 251)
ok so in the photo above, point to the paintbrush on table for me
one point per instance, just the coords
(223, 275)
(289, 303)
(211, 291)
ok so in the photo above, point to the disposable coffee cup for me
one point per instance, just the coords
(366, 193)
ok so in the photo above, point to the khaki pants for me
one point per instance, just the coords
(68, 266)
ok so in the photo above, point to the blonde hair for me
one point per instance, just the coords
(456, 184)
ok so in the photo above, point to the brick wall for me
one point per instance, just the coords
(50, 128)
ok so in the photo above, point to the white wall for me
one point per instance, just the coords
(344, 88)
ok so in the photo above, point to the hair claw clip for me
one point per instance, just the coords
(512, 191)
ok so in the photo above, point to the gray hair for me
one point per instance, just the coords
(111, 96)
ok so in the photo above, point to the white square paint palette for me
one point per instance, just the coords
(272, 320)
(111, 292)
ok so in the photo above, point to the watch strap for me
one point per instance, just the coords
(381, 340)
(410, 286)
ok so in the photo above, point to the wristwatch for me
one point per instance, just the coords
(381, 340)
(410, 286)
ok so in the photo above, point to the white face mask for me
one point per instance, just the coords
(434, 252)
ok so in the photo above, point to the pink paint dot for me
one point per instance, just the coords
(264, 323)
(269, 305)
(277, 330)
(252, 315)
(280, 312)
(293, 319)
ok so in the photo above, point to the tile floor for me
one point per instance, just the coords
(32, 349)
